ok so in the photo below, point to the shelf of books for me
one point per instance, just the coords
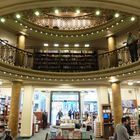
(65, 62)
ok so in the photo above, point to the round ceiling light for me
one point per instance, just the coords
(37, 13)
(97, 13)
(18, 16)
(2, 20)
(116, 15)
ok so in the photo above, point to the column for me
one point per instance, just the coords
(48, 96)
(111, 47)
(116, 102)
(20, 55)
(27, 112)
(102, 95)
(14, 108)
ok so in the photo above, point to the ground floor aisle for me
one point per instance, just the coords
(41, 136)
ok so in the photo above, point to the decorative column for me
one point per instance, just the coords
(27, 113)
(21, 45)
(116, 102)
(14, 108)
(112, 47)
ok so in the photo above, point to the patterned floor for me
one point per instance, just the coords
(41, 136)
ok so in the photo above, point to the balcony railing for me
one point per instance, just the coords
(71, 62)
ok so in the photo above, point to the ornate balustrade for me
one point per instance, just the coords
(78, 63)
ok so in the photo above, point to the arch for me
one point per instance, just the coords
(15, 5)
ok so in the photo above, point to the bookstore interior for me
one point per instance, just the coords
(89, 109)
(68, 68)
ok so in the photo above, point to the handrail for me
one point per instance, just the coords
(5, 43)
(75, 62)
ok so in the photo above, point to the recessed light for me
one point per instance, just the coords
(116, 15)
(37, 13)
(97, 13)
(1, 82)
(87, 45)
(56, 45)
(77, 11)
(46, 44)
(76, 45)
(18, 16)
(2, 20)
(133, 18)
(130, 83)
(66, 45)
(56, 11)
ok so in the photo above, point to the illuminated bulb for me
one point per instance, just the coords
(86, 45)
(1, 82)
(133, 18)
(66, 45)
(18, 16)
(76, 45)
(56, 11)
(130, 83)
(56, 45)
(2, 20)
(77, 11)
(97, 13)
(46, 44)
(116, 15)
(37, 13)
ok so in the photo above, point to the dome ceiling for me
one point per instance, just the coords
(69, 18)
(68, 24)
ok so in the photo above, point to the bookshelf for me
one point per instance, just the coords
(65, 62)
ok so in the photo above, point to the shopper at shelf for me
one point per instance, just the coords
(128, 126)
(121, 131)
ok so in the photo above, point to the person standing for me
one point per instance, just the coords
(44, 120)
(139, 125)
(132, 46)
(60, 114)
(121, 131)
(128, 126)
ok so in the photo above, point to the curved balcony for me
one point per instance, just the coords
(17, 64)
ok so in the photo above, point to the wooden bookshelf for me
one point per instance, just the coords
(65, 62)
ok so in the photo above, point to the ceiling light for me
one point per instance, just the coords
(37, 13)
(76, 45)
(18, 16)
(46, 44)
(97, 13)
(138, 82)
(56, 11)
(56, 45)
(116, 15)
(1, 82)
(130, 83)
(133, 18)
(77, 11)
(66, 45)
(87, 45)
(2, 20)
